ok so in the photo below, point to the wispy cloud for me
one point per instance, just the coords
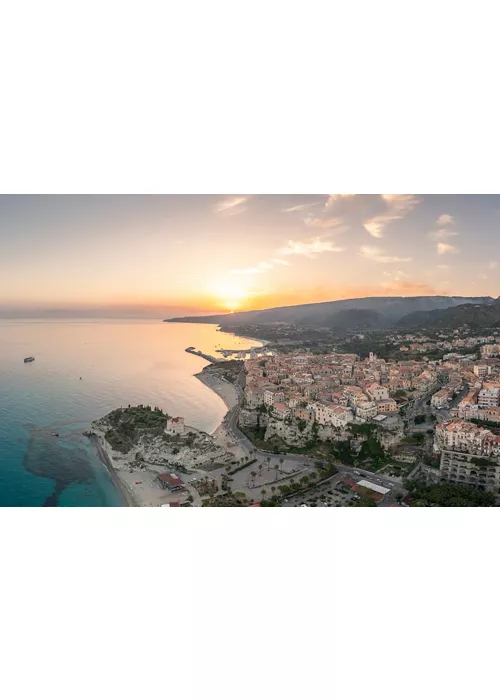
(333, 198)
(443, 248)
(236, 204)
(442, 234)
(445, 220)
(378, 255)
(311, 247)
(396, 275)
(300, 207)
(443, 267)
(318, 222)
(278, 261)
(397, 207)
(492, 265)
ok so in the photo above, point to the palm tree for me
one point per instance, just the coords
(273, 490)
(276, 471)
(263, 492)
(253, 475)
(261, 466)
(268, 460)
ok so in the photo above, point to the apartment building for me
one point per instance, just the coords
(482, 371)
(488, 397)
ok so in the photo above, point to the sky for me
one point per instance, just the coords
(182, 254)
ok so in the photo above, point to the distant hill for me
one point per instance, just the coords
(476, 316)
(369, 312)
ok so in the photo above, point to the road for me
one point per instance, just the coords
(294, 460)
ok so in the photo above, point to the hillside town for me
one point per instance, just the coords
(312, 428)
(300, 396)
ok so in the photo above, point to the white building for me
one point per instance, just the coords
(482, 371)
(175, 426)
(377, 392)
(488, 397)
(366, 410)
(328, 414)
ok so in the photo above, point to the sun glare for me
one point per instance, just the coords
(230, 293)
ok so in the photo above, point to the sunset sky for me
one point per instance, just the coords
(202, 253)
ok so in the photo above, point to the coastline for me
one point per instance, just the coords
(229, 394)
(120, 485)
(224, 389)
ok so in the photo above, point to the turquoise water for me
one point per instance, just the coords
(120, 363)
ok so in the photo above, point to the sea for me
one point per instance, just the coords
(84, 369)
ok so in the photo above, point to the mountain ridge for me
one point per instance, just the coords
(365, 312)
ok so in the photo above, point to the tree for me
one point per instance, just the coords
(276, 471)
(253, 475)
(263, 492)
(273, 490)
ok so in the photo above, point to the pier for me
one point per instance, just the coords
(193, 351)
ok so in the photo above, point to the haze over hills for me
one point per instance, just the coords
(476, 316)
(369, 312)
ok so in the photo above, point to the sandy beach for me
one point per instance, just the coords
(229, 394)
(139, 487)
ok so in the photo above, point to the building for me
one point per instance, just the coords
(170, 481)
(272, 396)
(280, 411)
(366, 410)
(377, 392)
(442, 398)
(175, 426)
(254, 396)
(386, 406)
(488, 397)
(482, 371)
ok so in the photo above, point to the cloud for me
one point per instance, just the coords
(378, 255)
(311, 247)
(261, 267)
(397, 207)
(443, 267)
(333, 198)
(396, 275)
(323, 223)
(300, 207)
(443, 248)
(442, 234)
(233, 205)
(445, 220)
(492, 265)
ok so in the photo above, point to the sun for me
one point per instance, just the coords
(230, 294)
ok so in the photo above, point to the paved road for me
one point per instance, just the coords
(295, 460)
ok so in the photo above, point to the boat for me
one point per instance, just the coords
(29, 359)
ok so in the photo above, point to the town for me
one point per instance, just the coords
(309, 428)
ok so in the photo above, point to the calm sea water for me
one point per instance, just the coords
(120, 363)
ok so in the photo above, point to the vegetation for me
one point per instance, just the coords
(127, 425)
(447, 495)
(227, 500)
(481, 462)
(243, 466)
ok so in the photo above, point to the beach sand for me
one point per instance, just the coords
(138, 487)
(229, 394)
